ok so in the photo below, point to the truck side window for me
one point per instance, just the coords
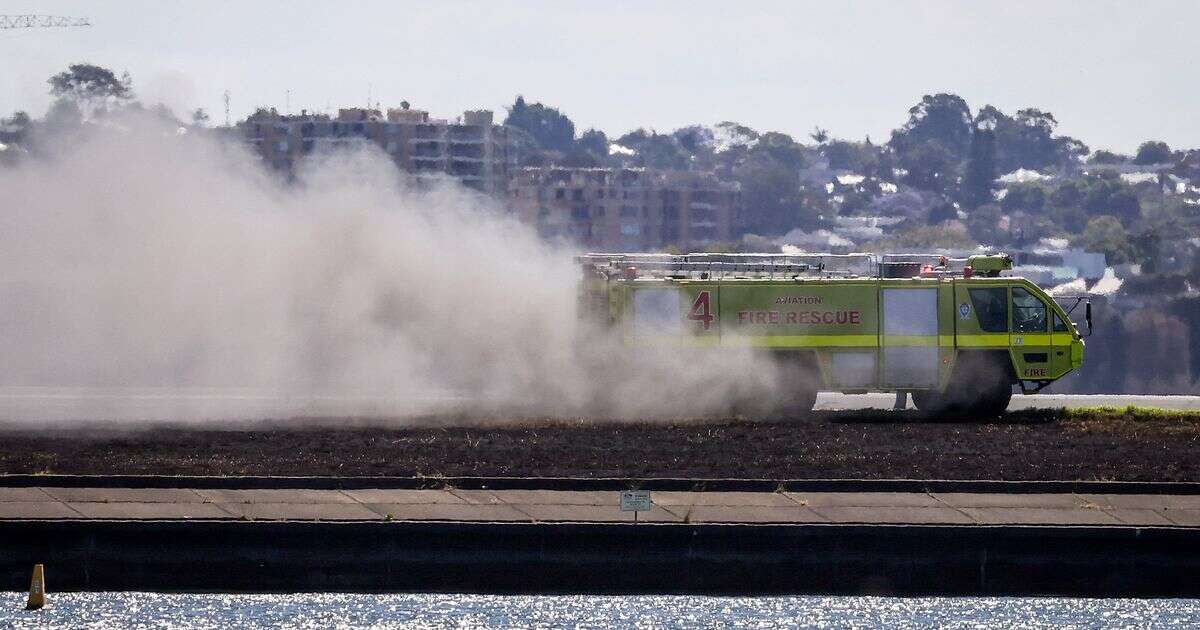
(1059, 324)
(991, 308)
(1029, 313)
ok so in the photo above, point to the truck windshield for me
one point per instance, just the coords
(1029, 312)
(1059, 324)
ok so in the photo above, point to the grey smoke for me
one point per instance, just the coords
(140, 257)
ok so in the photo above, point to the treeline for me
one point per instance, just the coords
(83, 93)
(939, 170)
(1151, 348)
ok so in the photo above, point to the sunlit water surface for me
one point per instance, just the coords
(154, 610)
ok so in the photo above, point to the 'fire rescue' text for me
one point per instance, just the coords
(800, 317)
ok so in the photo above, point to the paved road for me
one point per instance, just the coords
(44, 404)
(830, 402)
(49, 404)
(947, 508)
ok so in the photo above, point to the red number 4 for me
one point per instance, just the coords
(701, 310)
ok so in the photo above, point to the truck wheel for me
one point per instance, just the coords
(981, 388)
(993, 401)
(796, 390)
(939, 402)
(990, 386)
(799, 401)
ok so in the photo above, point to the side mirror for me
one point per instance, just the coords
(1087, 316)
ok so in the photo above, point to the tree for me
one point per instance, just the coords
(694, 139)
(1152, 152)
(525, 148)
(737, 136)
(546, 125)
(263, 114)
(931, 166)
(819, 135)
(851, 156)
(63, 114)
(983, 223)
(1066, 207)
(1106, 194)
(1106, 234)
(981, 167)
(1028, 198)
(926, 238)
(655, 150)
(594, 143)
(942, 118)
(1026, 140)
(15, 128)
(781, 148)
(1108, 157)
(200, 117)
(91, 88)
(1067, 194)
(1070, 150)
(771, 197)
(941, 213)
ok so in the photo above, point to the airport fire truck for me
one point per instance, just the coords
(957, 334)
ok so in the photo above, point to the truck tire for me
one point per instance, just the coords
(981, 388)
(798, 401)
(993, 402)
(992, 387)
(936, 403)
(796, 390)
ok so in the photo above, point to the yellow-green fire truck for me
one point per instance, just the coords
(955, 333)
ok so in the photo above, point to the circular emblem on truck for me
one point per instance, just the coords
(964, 310)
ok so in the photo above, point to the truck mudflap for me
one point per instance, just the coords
(1033, 387)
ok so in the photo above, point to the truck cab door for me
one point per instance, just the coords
(982, 316)
(1031, 340)
(1062, 340)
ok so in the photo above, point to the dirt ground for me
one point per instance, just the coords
(1042, 445)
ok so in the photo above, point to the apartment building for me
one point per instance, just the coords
(472, 149)
(625, 209)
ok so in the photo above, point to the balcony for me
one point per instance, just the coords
(426, 149)
(466, 134)
(429, 131)
(466, 151)
(466, 169)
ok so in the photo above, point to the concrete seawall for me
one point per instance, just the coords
(601, 558)
(1097, 540)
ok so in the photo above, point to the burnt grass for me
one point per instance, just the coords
(1099, 444)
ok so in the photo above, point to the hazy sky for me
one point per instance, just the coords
(1113, 73)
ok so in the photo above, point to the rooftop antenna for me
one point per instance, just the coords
(226, 108)
(287, 101)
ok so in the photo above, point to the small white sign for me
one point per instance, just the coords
(635, 501)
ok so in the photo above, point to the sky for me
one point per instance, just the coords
(1113, 73)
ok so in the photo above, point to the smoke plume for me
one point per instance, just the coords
(136, 257)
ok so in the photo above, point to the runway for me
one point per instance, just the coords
(149, 404)
(834, 402)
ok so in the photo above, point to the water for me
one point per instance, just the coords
(338, 610)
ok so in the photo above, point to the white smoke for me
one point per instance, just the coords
(136, 257)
